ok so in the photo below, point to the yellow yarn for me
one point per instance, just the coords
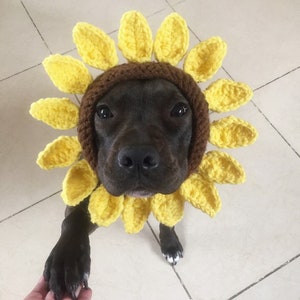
(104, 208)
(220, 167)
(59, 113)
(68, 74)
(135, 37)
(95, 47)
(62, 152)
(78, 183)
(172, 40)
(202, 194)
(204, 60)
(224, 95)
(135, 214)
(232, 132)
(167, 209)
(135, 41)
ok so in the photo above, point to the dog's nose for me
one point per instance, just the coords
(136, 158)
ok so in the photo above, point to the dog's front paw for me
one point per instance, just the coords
(170, 245)
(173, 255)
(68, 265)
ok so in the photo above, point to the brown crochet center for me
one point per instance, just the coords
(149, 70)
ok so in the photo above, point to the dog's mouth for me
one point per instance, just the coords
(139, 193)
(136, 188)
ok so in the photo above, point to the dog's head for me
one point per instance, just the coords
(143, 134)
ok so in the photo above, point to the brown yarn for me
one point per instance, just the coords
(149, 70)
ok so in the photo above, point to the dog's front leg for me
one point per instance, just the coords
(170, 245)
(68, 265)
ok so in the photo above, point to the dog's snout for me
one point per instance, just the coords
(136, 158)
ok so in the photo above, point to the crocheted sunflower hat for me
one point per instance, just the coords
(169, 47)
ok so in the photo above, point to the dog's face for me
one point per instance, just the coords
(143, 130)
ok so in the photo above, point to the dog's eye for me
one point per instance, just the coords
(104, 112)
(179, 109)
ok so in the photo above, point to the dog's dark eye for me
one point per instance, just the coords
(179, 109)
(104, 112)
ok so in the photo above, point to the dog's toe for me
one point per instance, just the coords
(173, 256)
(68, 266)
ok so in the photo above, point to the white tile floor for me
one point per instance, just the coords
(251, 250)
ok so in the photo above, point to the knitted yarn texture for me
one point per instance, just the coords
(169, 47)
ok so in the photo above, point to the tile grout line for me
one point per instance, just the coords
(151, 229)
(266, 276)
(280, 134)
(32, 67)
(156, 12)
(171, 5)
(190, 29)
(266, 118)
(182, 283)
(174, 270)
(196, 36)
(20, 72)
(28, 207)
(40, 34)
(277, 78)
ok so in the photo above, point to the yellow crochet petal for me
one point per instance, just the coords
(232, 132)
(172, 39)
(59, 113)
(62, 152)
(78, 183)
(224, 95)
(94, 46)
(167, 209)
(205, 59)
(135, 37)
(68, 74)
(220, 167)
(135, 214)
(104, 208)
(202, 194)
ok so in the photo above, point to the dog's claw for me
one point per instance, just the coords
(68, 265)
(173, 258)
(85, 284)
(73, 295)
